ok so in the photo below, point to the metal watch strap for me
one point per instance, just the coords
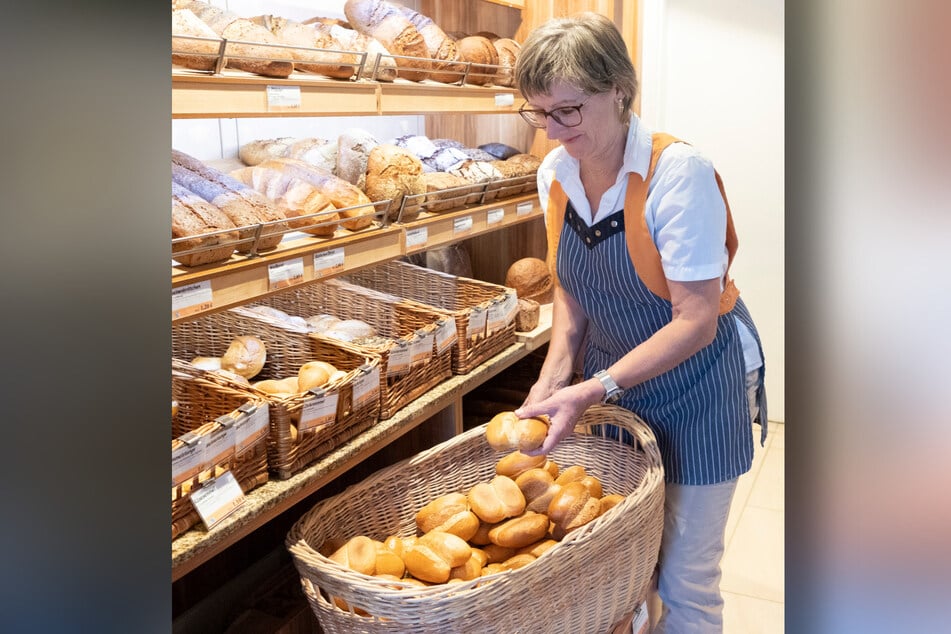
(612, 393)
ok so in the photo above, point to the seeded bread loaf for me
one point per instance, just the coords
(392, 174)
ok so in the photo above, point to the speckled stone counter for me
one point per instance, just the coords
(197, 546)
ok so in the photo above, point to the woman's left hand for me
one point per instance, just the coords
(563, 408)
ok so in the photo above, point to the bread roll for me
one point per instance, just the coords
(245, 356)
(194, 216)
(520, 531)
(320, 323)
(593, 485)
(209, 364)
(480, 51)
(538, 487)
(279, 387)
(383, 21)
(497, 554)
(435, 554)
(531, 279)
(472, 569)
(448, 513)
(573, 473)
(496, 500)
(538, 549)
(234, 378)
(194, 54)
(392, 174)
(608, 502)
(481, 536)
(314, 374)
(493, 568)
(369, 557)
(518, 561)
(516, 463)
(506, 432)
(571, 508)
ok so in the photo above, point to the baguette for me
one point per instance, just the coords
(193, 216)
(382, 20)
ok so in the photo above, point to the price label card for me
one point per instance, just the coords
(510, 307)
(283, 98)
(495, 317)
(186, 462)
(417, 237)
(328, 262)
(319, 411)
(219, 446)
(445, 335)
(251, 427)
(217, 499)
(400, 358)
(525, 208)
(504, 99)
(191, 299)
(283, 274)
(462, 225)
(366, 387)
(494, 216)
(422, 348)
(476, 326)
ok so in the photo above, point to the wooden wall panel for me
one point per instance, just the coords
(472, 16)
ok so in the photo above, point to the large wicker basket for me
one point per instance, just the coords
(586, 583)
(288, 449)
(457, 297)
(201, 405)
(404, 323)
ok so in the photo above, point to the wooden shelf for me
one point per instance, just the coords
(516, 4)
(404, 97)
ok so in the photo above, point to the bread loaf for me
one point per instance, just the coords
(438, 198)
(434, 555)
(325, 62)
(295, 196)
(496, 500)
(314, 151)
(195, 54)
(383, 21)
(353, 153)
(520, 531)
(531, 279)
(243, 205)
(506, 432)
(526, 164)
(528, 314)
(507, 50)
(500, 151)
(260, 150)
(394, 173)
(480, 51)
(378, 57)
(193, 216)
(571, 508)
(447, 67)
(245, 356)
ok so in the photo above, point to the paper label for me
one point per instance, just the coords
(283, 274)
(476, 324)
(328, 262)
(186, 462)
(219, 447)
(525, 208)
(251, 427)
(494, 216)
(510, 307)
(283, 98)
(399, 359)
(445, 335)
(366, 387)
(191, 299)
(495, 318)
(319, 411)
(422, 348)
(462, 225)
(217, 499)
(417, 237)
(504, 99)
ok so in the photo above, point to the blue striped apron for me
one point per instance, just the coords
(699, 410)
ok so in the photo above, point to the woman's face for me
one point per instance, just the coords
(600, 125)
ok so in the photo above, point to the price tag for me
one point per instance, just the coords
(399, 359)
(251, 427)
(417, 237)
(191, 299)
(504, 99)
(476, 324)
(219, 446)
(462, 225)
(328, 262)
(366, 386)
(495, 317)
(422, 348)
(494, 216)
(186, 461)
(283, 274)
(445, 335)
(217, 499)
(510, 307)
(525, 208)
(283, 98)
(319, 411)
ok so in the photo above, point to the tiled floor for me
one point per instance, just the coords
(752, 583)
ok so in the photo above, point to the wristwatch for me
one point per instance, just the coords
(612, 393)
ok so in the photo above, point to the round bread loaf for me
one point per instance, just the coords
(392, 174)
(480, 51)
(531, 279)
(496, 500)
(245, 356)
(507, 50)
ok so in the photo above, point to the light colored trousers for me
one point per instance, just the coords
(691, 549)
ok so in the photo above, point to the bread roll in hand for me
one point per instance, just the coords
(506, 432)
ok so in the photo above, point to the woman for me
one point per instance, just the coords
(640, 239)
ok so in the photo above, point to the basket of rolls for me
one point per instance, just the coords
(484, 313)
(206, 414)
(320, 393)
(464, 537)
(402, 334)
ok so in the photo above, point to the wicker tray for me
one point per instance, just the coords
(465, 300)
(288, 449)
(586, 583)
(202, 407)
(409, 325)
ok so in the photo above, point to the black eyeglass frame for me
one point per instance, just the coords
(525, 113)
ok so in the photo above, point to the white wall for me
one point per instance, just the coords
(713, 75)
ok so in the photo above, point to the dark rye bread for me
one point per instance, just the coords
(386, 23)
(194, 216)
(242, 204)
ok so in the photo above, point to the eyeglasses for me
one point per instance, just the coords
(567, 116)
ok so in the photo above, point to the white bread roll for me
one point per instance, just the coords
(506, 432)
(520, 531)
(496, 500)
(538, 487)
(314, 374)
(570, 474)
(435, 554)
(518, 561)
(210, 364)
(245, 356)
(448, 513)
(608, 502)
(571, 508)
(516, 463)
(369, 557)
(279, 387)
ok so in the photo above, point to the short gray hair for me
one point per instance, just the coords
(585, 50)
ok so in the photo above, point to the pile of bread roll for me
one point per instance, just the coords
(354, 331)
(498, 525)
(244, 359)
